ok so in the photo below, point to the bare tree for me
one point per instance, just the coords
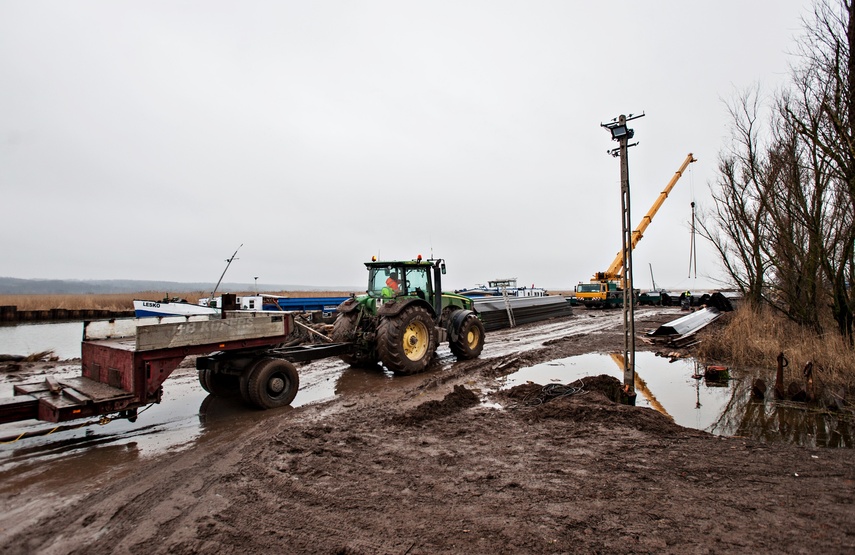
(820, 108)
(737, 226)
(784, 202)
(797, 195)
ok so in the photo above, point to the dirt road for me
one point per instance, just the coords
(441, 463)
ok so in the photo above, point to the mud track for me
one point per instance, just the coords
(429, 466)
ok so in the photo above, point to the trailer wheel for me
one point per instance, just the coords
(470, 339)
(406, 342)
(203, 379)
(272, 383)
(344, 331)
(220, 385)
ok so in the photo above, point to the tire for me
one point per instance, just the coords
(470, 339)
(203, 379)
(272, 383)
(406, 342)
(222, 385)
(344, 331)
(244, 382)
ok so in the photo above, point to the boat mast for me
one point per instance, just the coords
(228, 263)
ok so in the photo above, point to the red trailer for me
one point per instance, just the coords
(125, 363)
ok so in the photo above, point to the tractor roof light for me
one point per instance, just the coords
(418, 258)
(373, 259)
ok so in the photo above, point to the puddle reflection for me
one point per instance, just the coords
(722, 407)
(783, 422)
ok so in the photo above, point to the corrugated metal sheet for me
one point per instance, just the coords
(689, 323)
(526, 310)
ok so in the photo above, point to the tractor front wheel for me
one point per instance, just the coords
(406, 342)
(470, 339)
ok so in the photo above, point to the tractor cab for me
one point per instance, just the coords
(389, 280)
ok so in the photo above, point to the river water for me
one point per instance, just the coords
(26, 339)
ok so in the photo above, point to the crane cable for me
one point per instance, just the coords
(693, 252)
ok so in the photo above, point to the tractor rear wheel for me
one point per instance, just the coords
(470, 339)
(407, 341)
(344, 331)
(271, 383)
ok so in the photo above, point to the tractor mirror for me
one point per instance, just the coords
(442, 268)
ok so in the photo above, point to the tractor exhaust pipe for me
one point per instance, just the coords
(439, 264)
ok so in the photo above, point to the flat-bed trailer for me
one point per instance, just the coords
(125, 362)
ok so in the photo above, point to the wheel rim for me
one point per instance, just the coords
(415, 340)
(276, 384)
(472, 338)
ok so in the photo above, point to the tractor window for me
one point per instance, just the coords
(418, 280)
(380, 278)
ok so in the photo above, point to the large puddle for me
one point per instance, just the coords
(186, 415)
(719, 407)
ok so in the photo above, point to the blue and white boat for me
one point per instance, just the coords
(245, 303)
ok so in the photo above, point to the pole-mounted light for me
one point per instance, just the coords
(622, 134)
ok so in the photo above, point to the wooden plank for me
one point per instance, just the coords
(90, 390)
(75, 395)
(189, 334)
(30, 388)
(52, 384)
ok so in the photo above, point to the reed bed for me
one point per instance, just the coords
(754, 338)
(124, 301)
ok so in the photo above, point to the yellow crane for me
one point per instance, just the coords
(606, 288)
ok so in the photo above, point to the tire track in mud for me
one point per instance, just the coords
(136, 513)
(533, 336)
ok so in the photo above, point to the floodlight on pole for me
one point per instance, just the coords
(621, 133)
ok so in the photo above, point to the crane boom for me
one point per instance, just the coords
(616, 266)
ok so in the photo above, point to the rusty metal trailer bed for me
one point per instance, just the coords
(125, 362)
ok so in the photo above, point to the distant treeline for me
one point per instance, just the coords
(17, 286)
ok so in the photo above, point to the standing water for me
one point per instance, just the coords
(26, 339)
(669, 387)
(719, 407)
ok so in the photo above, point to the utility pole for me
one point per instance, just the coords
(622, 134)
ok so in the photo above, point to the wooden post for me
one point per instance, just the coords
(779, 377)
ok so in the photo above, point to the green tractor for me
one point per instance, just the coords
(404, 316)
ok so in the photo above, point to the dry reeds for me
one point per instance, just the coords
(754, 338)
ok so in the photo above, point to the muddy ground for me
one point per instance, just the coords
(443, 463)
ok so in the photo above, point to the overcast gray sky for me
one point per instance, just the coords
(147, 140)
